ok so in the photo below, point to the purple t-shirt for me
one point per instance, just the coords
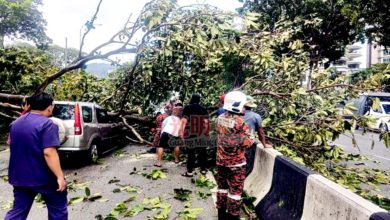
(30, 135)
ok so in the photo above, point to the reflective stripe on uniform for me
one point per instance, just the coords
(235, 197)
(222, 190)
(238, 165)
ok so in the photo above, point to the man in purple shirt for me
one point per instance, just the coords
(34, 165)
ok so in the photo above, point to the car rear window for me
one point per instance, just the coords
(63, 111)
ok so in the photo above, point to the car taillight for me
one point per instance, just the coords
(77, 121)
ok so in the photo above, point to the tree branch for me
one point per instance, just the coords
(7, 105)
(79, 64)
(279, 95)
(89, 25)
(331, 86)
(11, 98)
(132, 129)
(7, 116)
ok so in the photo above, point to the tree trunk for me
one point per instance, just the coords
(10, 98)
(1, 41)
(308, 85)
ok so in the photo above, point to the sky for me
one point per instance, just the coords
(66, 18)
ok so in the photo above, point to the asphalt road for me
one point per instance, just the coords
(379, 155)
(378, 152)
(118, 166)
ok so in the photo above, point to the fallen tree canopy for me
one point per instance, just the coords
(199, 48)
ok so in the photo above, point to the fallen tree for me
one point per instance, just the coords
(201, 49)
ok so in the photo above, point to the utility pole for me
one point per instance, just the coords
(66, 52)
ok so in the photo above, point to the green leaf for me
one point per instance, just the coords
(119, 208)
(204, 195)
(163, 214)
(4, 177)
(129, 189)
(155, 174)
(190, 213)
(135, 210)
(203, 182)
(182, 194)
(75, 200)
(94, 197)
(130, 199)
(7, 205)
(87, 191)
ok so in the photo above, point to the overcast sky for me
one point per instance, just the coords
(65, 18)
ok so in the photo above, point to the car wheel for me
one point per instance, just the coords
(93, 152)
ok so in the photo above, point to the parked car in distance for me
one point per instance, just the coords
(363, 106)
(382, 116)
(88, 128)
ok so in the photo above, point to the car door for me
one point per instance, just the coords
(104, 128)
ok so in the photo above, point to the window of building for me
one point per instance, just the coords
(386, 60)
(386, 52)
(339, 63)
(353, 66)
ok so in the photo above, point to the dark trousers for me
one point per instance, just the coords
(56, 202)
(250, 158)
(191, 158)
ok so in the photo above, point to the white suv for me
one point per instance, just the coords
(86, 128)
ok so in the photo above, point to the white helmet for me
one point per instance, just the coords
(235, 101)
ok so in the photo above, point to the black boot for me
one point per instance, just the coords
(222, 214)
(232, 217)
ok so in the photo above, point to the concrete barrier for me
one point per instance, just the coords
(285, 189)
(329, 201)
(286, 197)
(255, 184)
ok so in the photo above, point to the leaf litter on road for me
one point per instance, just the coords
(121, 209)
(4, 178)
(125, 188)
(75, 185)
(120, 153)
(182, 194)
(189, 213)
(87, 197)
(203, 182)
(7, 205)
(204, 195)
(156, 174)
(114, 180)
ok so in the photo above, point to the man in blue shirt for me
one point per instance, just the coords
(34, 165)
(221, 110)
(254, 122)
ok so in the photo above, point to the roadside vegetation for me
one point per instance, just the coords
(199, 48)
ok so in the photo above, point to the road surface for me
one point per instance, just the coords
(118, 166)
(364, 141)
(379, 155)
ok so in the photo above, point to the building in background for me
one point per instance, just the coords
(359, 56)
(378, 54)
(354, 59)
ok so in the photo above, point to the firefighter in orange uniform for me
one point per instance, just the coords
(233, 138)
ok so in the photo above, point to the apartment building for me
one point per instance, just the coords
(354, 59)
(378, 54)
